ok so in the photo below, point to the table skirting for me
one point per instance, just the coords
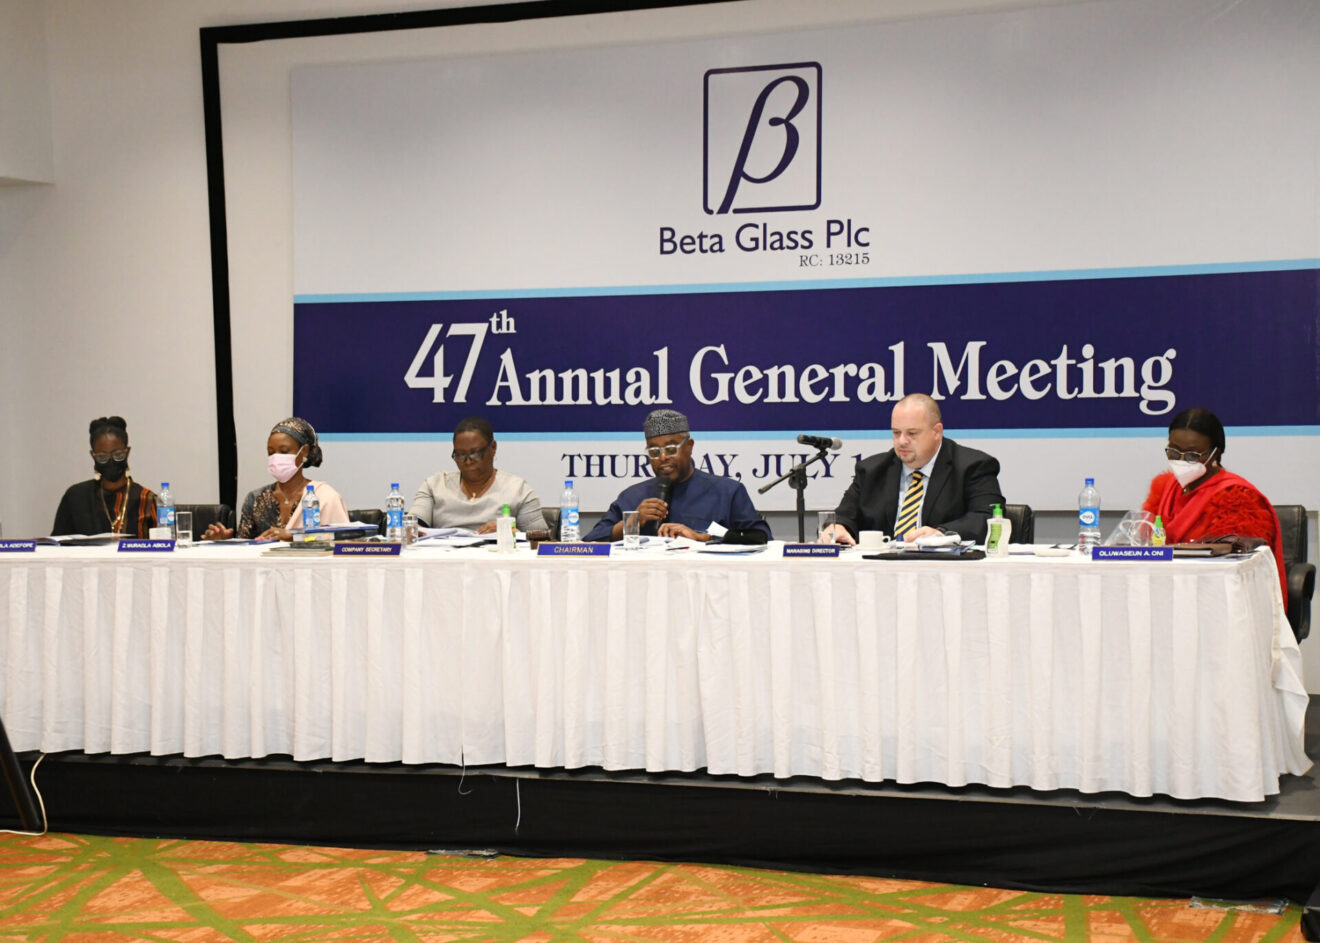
(1179, 678)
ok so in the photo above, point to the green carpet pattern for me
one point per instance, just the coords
(83, 888)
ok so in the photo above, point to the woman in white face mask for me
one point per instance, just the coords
(1198, 498)
(272, 512)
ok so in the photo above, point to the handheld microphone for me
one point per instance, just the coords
(664, 487)
(820, 442)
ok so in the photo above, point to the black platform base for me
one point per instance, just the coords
(1007, 838)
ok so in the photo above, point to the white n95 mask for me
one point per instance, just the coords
(1186, 472)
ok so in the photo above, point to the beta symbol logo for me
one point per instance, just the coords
(762, 139)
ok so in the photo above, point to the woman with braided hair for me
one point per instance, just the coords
(111, 501)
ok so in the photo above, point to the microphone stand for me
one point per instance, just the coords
(797, 480)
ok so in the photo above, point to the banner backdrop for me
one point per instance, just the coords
(773, 236)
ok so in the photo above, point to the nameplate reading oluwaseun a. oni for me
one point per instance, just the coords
(1131, 553)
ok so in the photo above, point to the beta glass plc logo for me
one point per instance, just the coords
(762, 139)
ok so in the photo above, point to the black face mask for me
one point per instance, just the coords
(112, 470)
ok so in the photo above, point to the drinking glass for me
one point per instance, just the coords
(632, 530)
(825, 532)
(183, 531)
(409, 529)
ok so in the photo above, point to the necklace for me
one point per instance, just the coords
(287, 502)
(116, 523)
(476, 492)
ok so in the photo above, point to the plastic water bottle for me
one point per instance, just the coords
(506, 541)
(1088, 517)
(569, 529)
(311, 510)
(165, 507)
(394, 514)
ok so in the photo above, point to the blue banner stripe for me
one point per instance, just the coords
(1151, 271)
(1111, 354)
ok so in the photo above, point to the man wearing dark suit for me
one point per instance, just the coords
(926, 485)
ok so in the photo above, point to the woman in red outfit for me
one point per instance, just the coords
(1198, 498)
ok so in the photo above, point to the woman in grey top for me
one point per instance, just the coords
(473, 496)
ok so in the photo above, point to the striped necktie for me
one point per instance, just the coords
(907, 514)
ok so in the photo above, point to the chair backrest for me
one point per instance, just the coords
(551, 520)
(1292, 532)
(204, 515)
(369, 516)
(1023, 520)
(1299, 574)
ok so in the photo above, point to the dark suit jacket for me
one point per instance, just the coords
(963, 484)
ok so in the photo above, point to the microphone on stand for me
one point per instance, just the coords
(820, 442)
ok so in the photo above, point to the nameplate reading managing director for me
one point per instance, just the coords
(683, 501)
(925, 485)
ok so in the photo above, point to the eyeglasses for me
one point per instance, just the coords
(101, 458)
(475, 456)
(1177, 455)
(668, 451)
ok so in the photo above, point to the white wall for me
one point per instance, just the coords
(25, 157)
(25, 151)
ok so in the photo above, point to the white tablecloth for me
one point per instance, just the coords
(1179, 678)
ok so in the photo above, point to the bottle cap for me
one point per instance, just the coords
(1159, 522)
(309, 487)
(568, 483)
(394, 484)
(1090, 482)
(998, 510)
(164, 484)
(505, 511)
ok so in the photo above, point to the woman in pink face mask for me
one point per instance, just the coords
(1198, 497)
(272, 512)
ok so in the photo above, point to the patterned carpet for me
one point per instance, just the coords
(82, 888)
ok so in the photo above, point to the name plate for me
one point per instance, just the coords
(573, 549)
(368, 550)
(137, 545)
(1131, 553)
(17, 546)
(811, 550)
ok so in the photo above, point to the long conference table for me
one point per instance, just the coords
(1179, 678)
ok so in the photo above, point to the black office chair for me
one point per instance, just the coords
(1023, 520)
(1300, 574)
(204, 515)
(551, 521)
(369, 516)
